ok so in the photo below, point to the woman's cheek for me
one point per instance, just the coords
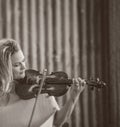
(15, 72)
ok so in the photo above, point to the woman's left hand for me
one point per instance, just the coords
(77, 87)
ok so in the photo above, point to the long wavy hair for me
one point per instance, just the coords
(7, 48)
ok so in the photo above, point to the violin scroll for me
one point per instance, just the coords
(95, 83)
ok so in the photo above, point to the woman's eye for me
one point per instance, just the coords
(16, 65)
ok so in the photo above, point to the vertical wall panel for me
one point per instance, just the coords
(8, 19)
(41, 36)
(25, 27)
(114, 63)
(91, 58)
(98, 60)
(1, 20)
(49, 38)
(75, 57)
(33, 35)
(74, 40)
(58, 38)
(83, 61)
(67, 36)
(16, 20)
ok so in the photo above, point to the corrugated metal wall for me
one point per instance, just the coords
(69, 35)
(114, 88)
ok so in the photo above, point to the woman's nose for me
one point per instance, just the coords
(23, 66)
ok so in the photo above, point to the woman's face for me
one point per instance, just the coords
(18, 65)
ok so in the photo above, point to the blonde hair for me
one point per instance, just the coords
(7, 48)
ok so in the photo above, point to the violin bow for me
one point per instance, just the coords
(36, 97)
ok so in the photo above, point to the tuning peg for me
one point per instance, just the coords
(98, 89)
(91, 78)
(91, 87)
(98, 79)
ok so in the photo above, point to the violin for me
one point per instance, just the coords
(55, 84)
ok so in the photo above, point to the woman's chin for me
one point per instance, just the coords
(20, 76)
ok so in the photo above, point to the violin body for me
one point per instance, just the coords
(55, 84)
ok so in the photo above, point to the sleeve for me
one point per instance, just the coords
(54, 103)
(49, 121)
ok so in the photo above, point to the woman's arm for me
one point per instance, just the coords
(64, 113)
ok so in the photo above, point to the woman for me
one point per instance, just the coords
(15, 112)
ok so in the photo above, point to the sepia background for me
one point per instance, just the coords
(80, 37)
